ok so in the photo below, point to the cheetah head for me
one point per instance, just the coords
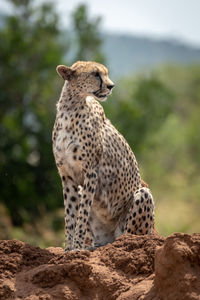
(88, 79)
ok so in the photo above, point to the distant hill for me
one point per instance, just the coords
(129, 54)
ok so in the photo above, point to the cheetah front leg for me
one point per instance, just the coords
(71, 203)
(89, 239)
(86, 200)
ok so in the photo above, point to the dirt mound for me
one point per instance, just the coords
(133, 267)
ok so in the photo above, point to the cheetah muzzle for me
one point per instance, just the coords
(104, 195)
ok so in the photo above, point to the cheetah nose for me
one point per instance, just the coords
(110, 86)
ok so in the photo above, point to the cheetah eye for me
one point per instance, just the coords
(96, 74)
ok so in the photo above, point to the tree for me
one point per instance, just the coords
(86, 34)
(29, 53)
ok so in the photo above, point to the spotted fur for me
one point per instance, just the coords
(104, 196)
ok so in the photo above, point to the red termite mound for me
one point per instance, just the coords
(133, 267)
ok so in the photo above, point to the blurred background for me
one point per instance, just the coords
(152, 51)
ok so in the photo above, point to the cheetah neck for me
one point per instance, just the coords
(69, 99)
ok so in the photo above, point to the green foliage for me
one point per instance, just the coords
(171, 166)
(29, 54)
(139, 107)
(185, 83)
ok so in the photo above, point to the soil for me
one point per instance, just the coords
(133, 267)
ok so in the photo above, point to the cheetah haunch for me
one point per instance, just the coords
(103, 193)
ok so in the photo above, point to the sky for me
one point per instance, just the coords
(179, 19)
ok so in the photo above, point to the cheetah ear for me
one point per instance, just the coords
(64, 72)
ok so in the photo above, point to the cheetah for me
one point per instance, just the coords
(104, 195)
